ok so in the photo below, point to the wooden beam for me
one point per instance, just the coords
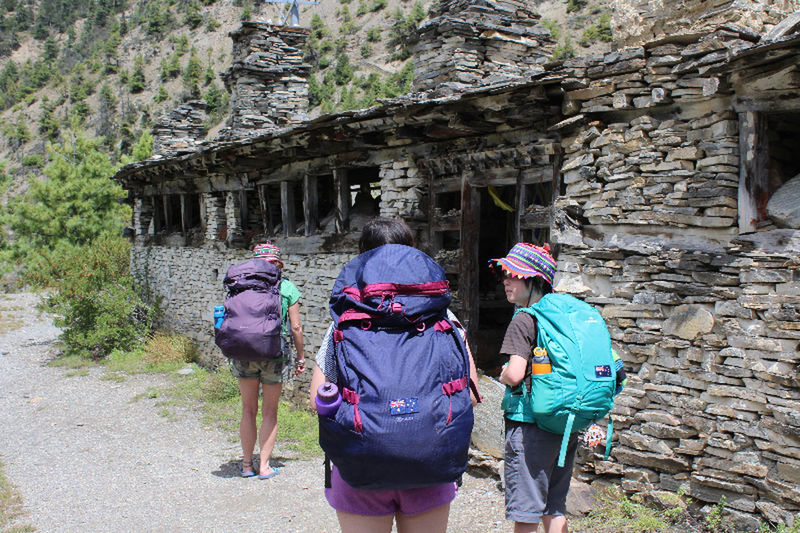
(341, 187)
(184, 210)
(753, 170)
(468, 288)
(287, 208)
(522, 202)
(310, 204)
(243, 213)
(266, 210)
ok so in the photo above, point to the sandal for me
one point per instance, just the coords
(247, 468)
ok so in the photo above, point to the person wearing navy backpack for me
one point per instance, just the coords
(269, 374)
(560, 380)
(422, 509)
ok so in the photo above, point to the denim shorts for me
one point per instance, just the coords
(269, 372)
(535, 485)
(345, 498)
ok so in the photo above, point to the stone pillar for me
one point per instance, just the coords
(474, 42)
(268, 80)
(215, 219)
(142, 218)
(233, 217)
(181, 130)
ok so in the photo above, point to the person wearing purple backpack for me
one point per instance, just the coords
(423, 510)
(269, 374)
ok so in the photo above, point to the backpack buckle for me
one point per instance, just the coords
(366, 324)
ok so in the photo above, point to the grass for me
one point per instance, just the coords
(8, 321)
(616, 513)
(11, 509)
(216, 393)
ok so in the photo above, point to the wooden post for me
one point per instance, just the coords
(167, 213)
(287, 208)
(183, 215)
(266, 210)
(468, 288)
(753, 170)
(522, 202)
(310, 204)
(341, 186)
(243, 215)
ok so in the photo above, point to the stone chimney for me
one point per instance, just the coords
(268, 80)
(181, 130)
(637, 21)
(475, 42)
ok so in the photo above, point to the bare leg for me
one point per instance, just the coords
(248, 388)
(270, 395)
(526, 527)
(554, 524)
(356, 523)
(433, 521)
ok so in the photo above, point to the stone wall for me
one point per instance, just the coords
(181, 130)
(467, 42)
(189, 283)
(636, 21)
(705, 319)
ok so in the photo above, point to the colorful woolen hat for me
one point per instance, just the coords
(526, 260)
(268, 252)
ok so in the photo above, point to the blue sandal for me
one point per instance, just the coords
(275, 472)
(247, 468)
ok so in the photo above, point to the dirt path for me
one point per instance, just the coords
(93, 454)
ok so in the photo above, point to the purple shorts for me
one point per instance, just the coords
(345, 498)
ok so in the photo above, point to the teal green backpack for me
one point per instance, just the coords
(580, 387)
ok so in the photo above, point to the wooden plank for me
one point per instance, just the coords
(287, 208)
(310, 204)
(521, 201)
(538, 218)
(183, 215)
(266, 210)
(341, 187)
(167, 213)
(468, 288)
(753, 170)
(243, 210)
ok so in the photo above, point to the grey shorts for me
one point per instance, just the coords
(535, 485)
(267, 372)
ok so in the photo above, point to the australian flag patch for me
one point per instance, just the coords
(602, 371)
(403, 406)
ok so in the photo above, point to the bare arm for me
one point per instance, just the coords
(317, 379)
(297, 335)
(473, 375)
(514, 372)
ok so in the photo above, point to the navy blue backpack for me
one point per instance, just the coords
(406, 416)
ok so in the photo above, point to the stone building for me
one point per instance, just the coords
(663, 174)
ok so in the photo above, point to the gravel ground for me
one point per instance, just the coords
(93, 454)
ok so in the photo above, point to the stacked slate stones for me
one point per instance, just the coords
(467, 42)
(181, 130)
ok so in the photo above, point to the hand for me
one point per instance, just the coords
(299, 366)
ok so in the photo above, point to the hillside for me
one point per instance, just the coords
(112, 68)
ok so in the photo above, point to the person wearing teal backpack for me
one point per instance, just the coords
(560, 378)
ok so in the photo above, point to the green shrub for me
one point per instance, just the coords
(33, 160)
(564, 50)
(95, 299)
(193, 17)
(374, 34)
(576, 5)
(553, 27)
(366, 50)
(377, 5)
(137, 80)
(601, 31)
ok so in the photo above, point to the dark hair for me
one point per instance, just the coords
(540, 284)
(381, 230)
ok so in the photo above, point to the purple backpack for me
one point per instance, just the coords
(406, 416)
(251, 329)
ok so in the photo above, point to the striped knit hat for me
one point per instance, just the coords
(268, 252)
(525, 261)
